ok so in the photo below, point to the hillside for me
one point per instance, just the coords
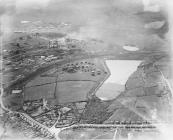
(147, 95)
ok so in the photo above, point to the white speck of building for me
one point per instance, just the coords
(16, 91)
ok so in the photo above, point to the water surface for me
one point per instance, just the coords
(120, 71)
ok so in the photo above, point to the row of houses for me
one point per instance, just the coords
(36, 126)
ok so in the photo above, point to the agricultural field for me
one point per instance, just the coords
(41, 80)
(39, 92)
(76, 91)
(81, 78)
(89, 69)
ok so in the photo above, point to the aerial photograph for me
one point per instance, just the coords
(86, 70)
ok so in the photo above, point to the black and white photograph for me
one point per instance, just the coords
(86, 70)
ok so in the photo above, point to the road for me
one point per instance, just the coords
(55, 131)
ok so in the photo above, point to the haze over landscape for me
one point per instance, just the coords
(85, 69)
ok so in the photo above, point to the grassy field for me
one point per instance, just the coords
(73, 91)
(84, 71)
(79, 76)
(41, 80)
(38, 92)
(86, 133)
(65, 86)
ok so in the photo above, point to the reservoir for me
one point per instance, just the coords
(120, 71)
